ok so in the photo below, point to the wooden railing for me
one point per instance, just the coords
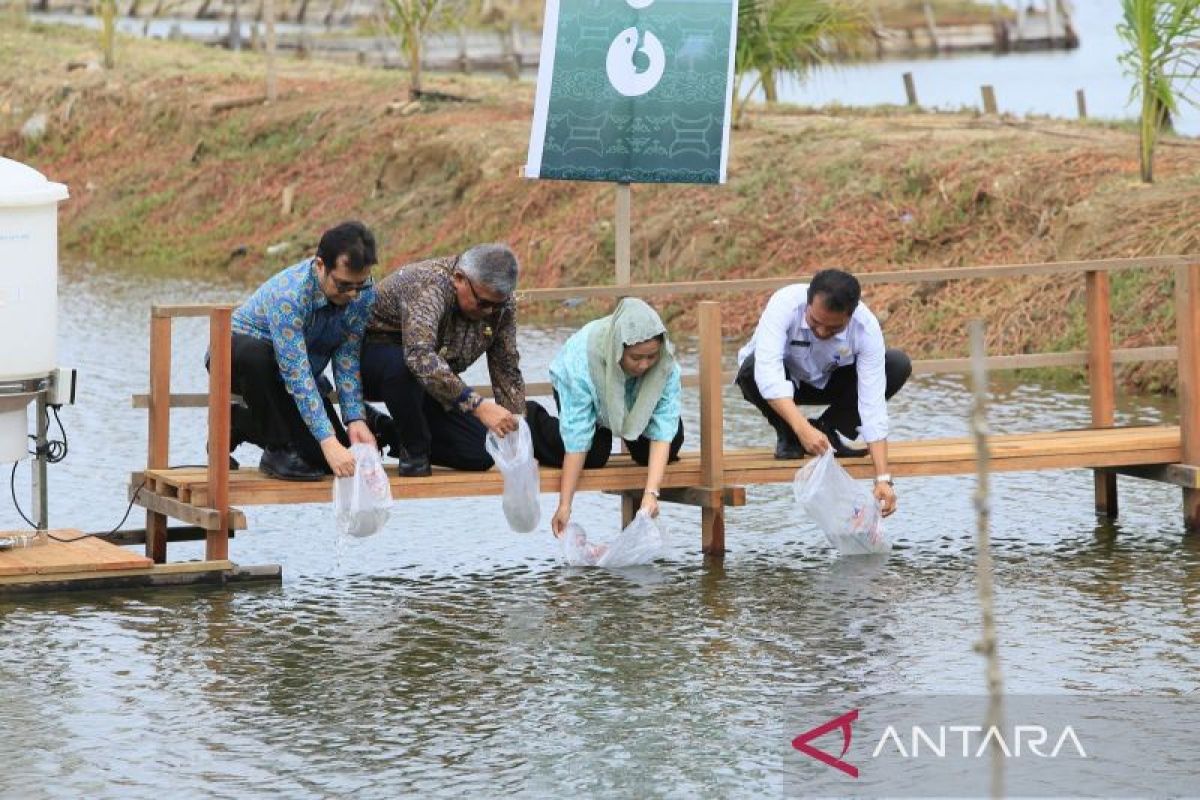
(1099, 358)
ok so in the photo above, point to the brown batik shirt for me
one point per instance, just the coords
(416, 306)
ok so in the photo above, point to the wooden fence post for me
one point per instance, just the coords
(712, 445)
(1187, 325)
(910, 89)
(989, 99)
(219, 370)
(1081, 103)
(158, 440)
(1100, 380)
(621, 235)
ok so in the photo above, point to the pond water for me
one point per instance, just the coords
(448, 656)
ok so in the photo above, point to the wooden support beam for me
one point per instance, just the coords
(1101, 381)
(699, 496)
(159, 434)
(200, 516)
(712, 429)
(1186, 476)
(134, 536)
(220, 366)
(1187, 324)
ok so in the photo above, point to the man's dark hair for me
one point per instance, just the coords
(839, 291)
(350, 239)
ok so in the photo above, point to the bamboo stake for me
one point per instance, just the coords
(983, 558)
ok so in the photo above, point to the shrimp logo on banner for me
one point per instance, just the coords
(634, 91)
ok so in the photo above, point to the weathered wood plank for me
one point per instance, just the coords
(700, 496)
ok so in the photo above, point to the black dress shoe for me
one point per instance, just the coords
(384, 428)
(414, 466)
(840, 449)
(288, 465)
(787, 448)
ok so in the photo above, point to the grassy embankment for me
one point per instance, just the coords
(161, 184)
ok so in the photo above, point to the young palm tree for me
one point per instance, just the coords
(789, 36)
(1163, 59)
(409, 21)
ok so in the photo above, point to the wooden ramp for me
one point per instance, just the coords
(1089, 448)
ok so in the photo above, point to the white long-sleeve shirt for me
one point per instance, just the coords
(786, 353)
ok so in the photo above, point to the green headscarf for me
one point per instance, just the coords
(632, 322)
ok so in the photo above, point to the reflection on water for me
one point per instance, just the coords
(447, 655)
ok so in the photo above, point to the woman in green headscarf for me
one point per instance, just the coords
(616, 375)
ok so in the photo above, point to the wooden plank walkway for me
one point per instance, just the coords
(207, 498)
(1072, 449)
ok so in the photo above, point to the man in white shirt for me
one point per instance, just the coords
(816, 344)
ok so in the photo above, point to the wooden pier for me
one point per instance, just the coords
(212, 498)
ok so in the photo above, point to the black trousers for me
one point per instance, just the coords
(269, 417)
(840, 393)
(550, 451)
(423, 428)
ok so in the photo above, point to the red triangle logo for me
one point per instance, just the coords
(843, 723)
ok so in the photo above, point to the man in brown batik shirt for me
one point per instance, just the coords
(429, 322)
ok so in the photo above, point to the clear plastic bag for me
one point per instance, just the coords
(514, 456)
(843, 508)
(645, 540)
(363, 501)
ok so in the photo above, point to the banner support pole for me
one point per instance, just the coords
(622, 234)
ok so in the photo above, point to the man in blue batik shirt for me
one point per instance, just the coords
(297, 323)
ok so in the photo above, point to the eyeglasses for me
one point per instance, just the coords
(484, 305)
(349, 287)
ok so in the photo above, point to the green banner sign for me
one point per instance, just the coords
(635, 91)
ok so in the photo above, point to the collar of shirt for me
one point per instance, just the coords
(316, 294)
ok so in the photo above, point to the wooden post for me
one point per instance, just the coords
(622, 234)
(1100, 380)
(712, 445)
(1081, 103)
(158, 439)
(272, 85)
(1187, 324)
(989, 99)
(910, 89)
(219, 369)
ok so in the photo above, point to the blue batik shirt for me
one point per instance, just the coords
(308, 332)
(579, 405)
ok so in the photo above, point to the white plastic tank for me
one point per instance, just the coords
(28, 294)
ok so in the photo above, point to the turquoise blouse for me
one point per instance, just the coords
(579, 406)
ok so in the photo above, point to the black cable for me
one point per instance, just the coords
(128, 508)
(12, 488)
(56, 451)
